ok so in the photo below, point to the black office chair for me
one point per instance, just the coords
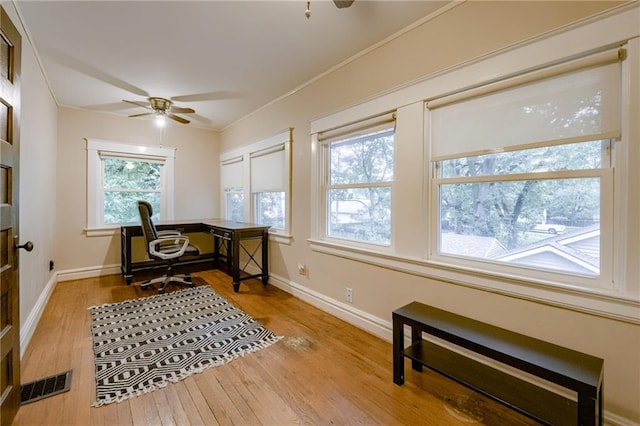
(166, 246)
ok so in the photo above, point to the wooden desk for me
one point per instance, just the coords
(579, 372)
(228, 238)
(228, 243)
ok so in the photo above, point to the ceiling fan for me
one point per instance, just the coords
(340, 4)
(161, 108)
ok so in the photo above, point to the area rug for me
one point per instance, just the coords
(144, 344)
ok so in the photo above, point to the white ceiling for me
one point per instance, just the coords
(225, 59)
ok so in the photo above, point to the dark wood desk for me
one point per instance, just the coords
(229, 244)
(579, 372)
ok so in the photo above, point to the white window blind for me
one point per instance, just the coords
(570, 104)
(360, 128)
(268, 170)
(231, 173)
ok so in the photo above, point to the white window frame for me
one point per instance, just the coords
(604, 280)
(96, 150)
(281, 141)
(322, 144)
(622, 300)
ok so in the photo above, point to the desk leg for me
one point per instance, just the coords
(216, 251)
(265, 258)
(587, 410)
(398, 352)
(235, 263)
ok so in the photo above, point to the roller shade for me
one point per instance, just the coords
(268, 171)
(360, 128)
(231, 173)
(579, 104)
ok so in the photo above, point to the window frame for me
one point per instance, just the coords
(340, 135)
(97, 150)
(282, 141)
(410, 254)
(605, 174)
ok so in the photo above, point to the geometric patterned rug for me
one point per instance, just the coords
(144, 344)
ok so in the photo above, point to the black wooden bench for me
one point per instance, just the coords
(576, 371)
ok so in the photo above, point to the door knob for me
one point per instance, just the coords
(28, 246)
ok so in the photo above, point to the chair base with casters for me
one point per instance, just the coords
(166, 246)
(183, 279)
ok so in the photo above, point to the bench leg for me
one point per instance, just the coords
(588, 411)
(398, 352)
(416, 336)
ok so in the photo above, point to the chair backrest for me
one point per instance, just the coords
(148, 228)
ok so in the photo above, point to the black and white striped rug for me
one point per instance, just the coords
(144, 344)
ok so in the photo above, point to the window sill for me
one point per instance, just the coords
(594, 302)
(102, 232)
(280, 238)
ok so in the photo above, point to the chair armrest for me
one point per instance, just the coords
(154, 247)
(169, 233)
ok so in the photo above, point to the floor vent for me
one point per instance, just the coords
(43, 388)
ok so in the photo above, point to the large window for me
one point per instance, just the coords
(256, 184)
(118, 175)
(358, 187)
(524, 174)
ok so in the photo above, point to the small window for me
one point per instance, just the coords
(256, 183)
(124, 183)
(270, 209)
(120, 174)
(234, 198)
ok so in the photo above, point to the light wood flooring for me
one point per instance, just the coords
(324, 371)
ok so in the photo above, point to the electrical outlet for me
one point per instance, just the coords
(302, 269)
(349, 294)
(51, 265)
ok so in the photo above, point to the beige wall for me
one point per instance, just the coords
(461, 34)
(196, 179)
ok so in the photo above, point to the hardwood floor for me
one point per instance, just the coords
(324, 371)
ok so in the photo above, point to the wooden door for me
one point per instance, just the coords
(9, 160)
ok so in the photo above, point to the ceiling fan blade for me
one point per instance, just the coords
(178, 119)
(140, 104)
(210, 96)
(182, 110)
(141, 115)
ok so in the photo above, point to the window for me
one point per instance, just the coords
(269, 181)
(256, 183)
(120, 174)
(232, 189)
(358, 185)
(126, 181)
(523, 173)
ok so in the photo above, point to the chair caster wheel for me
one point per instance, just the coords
(160, 291)
(145, 288)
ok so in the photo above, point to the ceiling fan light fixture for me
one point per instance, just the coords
(161, 119)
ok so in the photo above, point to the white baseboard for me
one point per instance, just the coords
(370, 323)
(88, 272)
(26, 331)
